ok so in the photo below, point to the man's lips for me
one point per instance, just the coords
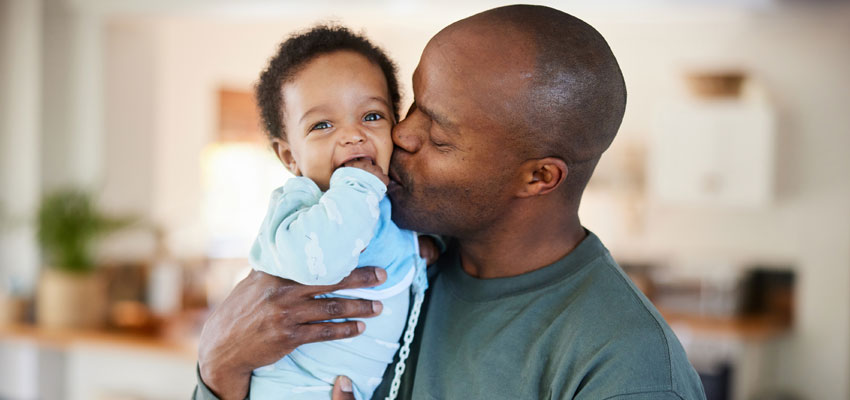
(392, 174)
(395, 176)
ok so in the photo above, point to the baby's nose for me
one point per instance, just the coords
(352, 136)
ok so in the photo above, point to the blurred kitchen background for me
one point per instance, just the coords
(128, 129)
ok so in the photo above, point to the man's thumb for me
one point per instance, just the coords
(343, 389)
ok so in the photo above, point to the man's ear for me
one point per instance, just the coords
(284, 154)
(542, 176)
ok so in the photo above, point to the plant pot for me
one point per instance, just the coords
(71, 300)
(13, 310)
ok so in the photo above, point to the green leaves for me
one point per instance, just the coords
(68, 225)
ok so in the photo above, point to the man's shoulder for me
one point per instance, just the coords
(625, 346)
(603, 293)
(602, 309)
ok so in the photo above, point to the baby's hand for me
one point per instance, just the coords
(428, 249)
(367, 166)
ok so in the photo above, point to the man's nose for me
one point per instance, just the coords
(406, 135)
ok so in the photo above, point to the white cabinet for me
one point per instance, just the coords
(717, 152)
(36, 364)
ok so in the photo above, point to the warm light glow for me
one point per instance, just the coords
(238, 179)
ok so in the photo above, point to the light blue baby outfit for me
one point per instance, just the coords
(318, 238)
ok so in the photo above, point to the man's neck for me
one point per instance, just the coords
(521, 244)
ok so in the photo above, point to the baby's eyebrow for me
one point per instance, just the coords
(315, 109)
(379, 99)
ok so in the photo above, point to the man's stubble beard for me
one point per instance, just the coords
(442, 211)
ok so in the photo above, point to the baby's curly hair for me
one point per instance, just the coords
(302, 48)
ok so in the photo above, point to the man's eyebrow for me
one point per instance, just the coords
(439, 118)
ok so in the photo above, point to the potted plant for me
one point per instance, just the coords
(70, 293)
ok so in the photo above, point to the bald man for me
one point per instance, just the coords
(512, 110)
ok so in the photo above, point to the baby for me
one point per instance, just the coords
(329, 100)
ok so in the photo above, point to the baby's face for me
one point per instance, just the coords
(336, 109)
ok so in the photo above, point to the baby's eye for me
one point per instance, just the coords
(321, 125)
(373, 117)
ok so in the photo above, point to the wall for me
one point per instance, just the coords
(20, 108)
(72, 117)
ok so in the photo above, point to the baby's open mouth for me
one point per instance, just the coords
(357, 158)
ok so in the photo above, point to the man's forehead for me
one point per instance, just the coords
(498, 40)
(432, 104)
(489, 67)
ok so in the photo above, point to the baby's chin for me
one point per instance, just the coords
(323, 182)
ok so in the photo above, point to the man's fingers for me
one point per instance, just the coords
(324, 331)
(333, 308)
(359, 278)
(343, 390)
(362, 277)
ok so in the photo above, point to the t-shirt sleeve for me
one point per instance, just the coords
(202, 392)
(663, 395)
(316, 238)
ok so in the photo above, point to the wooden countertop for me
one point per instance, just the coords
(61, 339)
(738, 327)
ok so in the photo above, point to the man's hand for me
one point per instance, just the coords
(265, 317)
(367, 166)
(343, 390)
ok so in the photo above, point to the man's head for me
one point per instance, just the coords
(515, 103)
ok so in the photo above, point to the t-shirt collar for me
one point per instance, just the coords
(474, 289)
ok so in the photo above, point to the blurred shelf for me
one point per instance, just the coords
(66, 338)
(749, 328)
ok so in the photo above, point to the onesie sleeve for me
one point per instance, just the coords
(314, 238)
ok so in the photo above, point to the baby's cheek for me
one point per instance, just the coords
(385, 150)
(384, 161)
(322, 178)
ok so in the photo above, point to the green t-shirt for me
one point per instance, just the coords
(576, 329)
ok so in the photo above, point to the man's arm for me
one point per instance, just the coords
(265, 317)
(342, 390)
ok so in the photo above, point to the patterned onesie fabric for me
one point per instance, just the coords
(317, 238)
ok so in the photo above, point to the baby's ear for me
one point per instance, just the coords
(284, 153)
